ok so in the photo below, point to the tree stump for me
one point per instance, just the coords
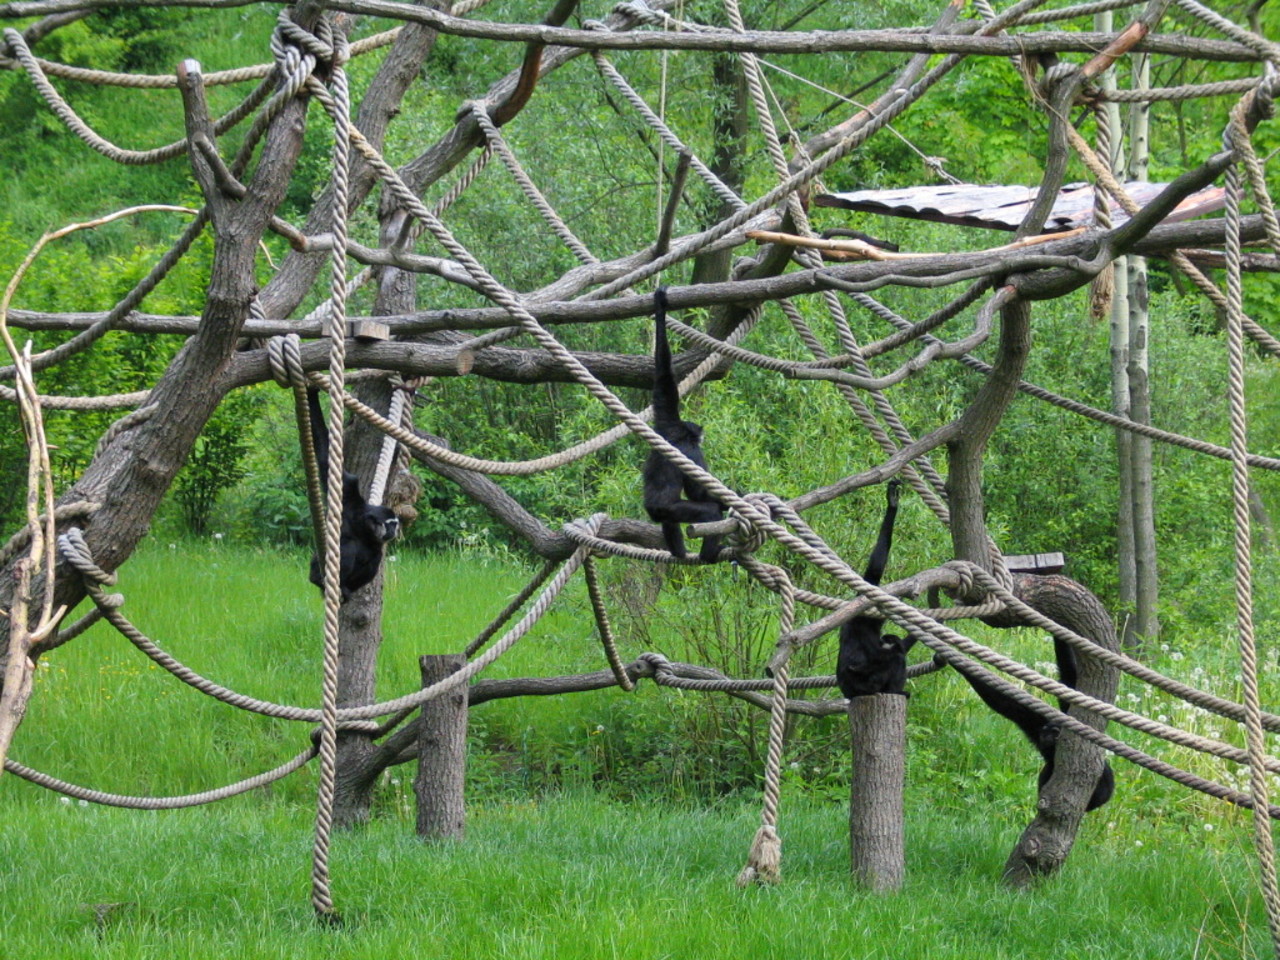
(878, 732)
(442, 753)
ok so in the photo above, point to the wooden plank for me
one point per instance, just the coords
(1040, 563)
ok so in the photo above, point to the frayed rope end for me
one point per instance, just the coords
(764, 862)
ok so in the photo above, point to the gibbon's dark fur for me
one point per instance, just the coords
(1043, 733)
(365, 527)
(664, 484)
(870, 663)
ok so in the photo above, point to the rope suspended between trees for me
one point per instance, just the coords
(760, 517)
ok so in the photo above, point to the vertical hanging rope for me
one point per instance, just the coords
(1262, 838)
(764, 862)
(387, 453)
(335, 330)
(602, 624)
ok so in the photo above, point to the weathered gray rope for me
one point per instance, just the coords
(68, 511)
(113, 401)
(1264, 844)
(159, 803)
(74, 550)
(920, 474)
(167, 81)
(510, 609)
(1193, 91)
(810, 171)
(1123, 423)
(63, 110)
(540, 464)
(603, 626)
(498, 143)
(1123, 750)
(389, 448)
(1137, 669)
(1070, 13)
(336, 332)
(90, 335)
(764, 861)
(717, 186)
(1248, 38)
(284, 354)
(460, 186)
(127, 422)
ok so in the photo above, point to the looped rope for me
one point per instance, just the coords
(74, 549)
(284, 354)
(747, 537)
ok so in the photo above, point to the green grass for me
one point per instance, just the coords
(550, 867)
(575, 876)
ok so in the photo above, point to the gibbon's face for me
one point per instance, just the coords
(384, 525)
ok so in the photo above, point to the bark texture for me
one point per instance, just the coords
(878, 733)
(442, 754)
(1045, 843)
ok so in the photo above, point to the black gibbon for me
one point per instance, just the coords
(365, 527)
(870, 663)
(664, 484)
(1043, 733)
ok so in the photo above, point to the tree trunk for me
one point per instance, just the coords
(1046, 842)
(1145, 623)
(442, 754)
(730, 124)
(878, 733)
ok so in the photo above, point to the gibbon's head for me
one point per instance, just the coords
(383, 524)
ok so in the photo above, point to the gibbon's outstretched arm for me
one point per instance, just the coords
(666, 391)
(1043, 733)
(319, 436)
(671, 498)
(365, 527)
(869, 663)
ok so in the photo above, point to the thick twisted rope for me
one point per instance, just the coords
(498, 143)
(602, 624)
(159, 803)
(336, 332)
(1258, 767)
(764, 860)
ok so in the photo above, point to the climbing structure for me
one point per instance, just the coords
(96, 524)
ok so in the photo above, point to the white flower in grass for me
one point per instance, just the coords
(84, 803)
(1137, 843)
(1208, 827)
(217, 536)
(66, 801)
(1176, 655)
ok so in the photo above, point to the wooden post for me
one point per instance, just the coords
(878, 731)
(442, 753)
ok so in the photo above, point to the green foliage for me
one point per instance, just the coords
(217, 462)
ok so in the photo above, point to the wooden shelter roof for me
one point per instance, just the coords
(998, 207)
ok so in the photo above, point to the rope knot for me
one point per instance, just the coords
(748, 538)
(656, 663)
(285, 356)
(964, 573)
(76, 552)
